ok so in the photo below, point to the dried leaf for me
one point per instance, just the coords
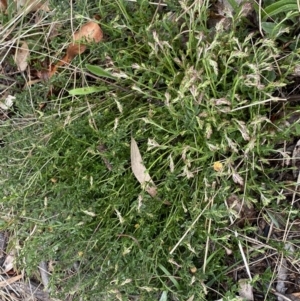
(294, 296)
(140, 171)
(245, 290)
(3, 5)
(89, 32)
(21, 56)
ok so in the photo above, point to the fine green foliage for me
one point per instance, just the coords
(191, 96)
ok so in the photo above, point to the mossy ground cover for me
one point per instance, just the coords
(198, 100)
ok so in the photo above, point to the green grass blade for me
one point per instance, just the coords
(99, 71)
(172, 278)
(282, 6)
(87, 90)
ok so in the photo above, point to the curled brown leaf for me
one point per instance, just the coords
(88, 33)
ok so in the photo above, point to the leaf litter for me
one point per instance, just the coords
(139, 170)
(88, 33)
(21, 56)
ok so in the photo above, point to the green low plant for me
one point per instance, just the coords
(190, 96)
